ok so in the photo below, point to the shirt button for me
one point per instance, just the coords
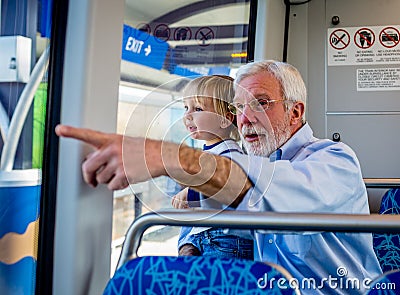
(270, 241)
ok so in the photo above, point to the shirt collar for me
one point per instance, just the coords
(302, 137)
(209, 147)
(277, 155)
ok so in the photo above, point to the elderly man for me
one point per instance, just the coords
(287, 169)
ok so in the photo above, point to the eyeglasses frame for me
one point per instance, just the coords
(235, 110)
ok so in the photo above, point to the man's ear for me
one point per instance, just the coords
(296, 113)
(227, 121)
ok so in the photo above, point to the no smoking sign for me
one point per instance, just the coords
(339, 39)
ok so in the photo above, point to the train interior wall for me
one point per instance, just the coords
(338, 45)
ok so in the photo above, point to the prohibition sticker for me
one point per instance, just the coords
(204, 36)
(389, 37)
(370, 45)
(162, 32)
(183, 33)
(364, 38)
(339, 39)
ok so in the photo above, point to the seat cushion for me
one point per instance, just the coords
(198, 275)
(388, 284)
(387, 246)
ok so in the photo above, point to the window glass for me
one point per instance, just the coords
(24, 42)
(165, 44)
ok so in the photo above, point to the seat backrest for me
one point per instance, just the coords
(387, 246)
(388, 284)
(199, 275)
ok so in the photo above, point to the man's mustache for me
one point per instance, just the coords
(252, 129)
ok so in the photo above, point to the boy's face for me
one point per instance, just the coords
(201, 120)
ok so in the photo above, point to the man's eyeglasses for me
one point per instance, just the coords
(255, 105)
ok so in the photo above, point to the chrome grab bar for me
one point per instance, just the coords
(21, 111)
(382, 182)
(256, 220)
(4, 123)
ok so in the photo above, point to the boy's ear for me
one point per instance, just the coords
(227, 121)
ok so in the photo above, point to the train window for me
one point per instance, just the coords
(165, 44)
(24, 46)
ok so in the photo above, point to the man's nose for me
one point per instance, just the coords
(248, 115)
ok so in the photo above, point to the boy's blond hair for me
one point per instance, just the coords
(217, 87)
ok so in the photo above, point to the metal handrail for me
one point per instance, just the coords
(21, 110)
(4, 122)
(382, 182)
(273, 221)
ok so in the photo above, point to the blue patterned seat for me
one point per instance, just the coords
(386, 284)
(159, 275)
(387, 246)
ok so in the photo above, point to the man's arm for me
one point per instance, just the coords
(212, 175)
(118, 161)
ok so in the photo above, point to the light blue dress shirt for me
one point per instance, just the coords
(315, 176)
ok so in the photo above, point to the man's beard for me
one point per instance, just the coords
(268, 140)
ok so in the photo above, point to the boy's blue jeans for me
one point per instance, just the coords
(216, 243)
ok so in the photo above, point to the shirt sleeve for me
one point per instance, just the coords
(324, 177)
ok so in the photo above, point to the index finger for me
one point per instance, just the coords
(92, 137)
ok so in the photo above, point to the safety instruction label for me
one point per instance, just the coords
(378, 79)
(367, 45)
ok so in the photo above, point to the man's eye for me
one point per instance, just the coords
(197, 109)
(263, 102)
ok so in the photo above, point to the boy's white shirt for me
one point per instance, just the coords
(223, 146)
